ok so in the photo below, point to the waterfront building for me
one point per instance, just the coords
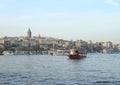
(118, 47)
(80, 44)
(48, 42)
(33, 42)
(90, 46)
(108, 47)
(1, 41)
(71, 44)
(7, 41)
(108, 44)
(66, 45)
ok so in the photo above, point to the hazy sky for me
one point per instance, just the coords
(97, 20)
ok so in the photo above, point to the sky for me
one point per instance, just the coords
(96, 20)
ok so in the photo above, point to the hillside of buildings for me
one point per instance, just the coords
(39, 43)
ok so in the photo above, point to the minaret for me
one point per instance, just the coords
(29, 33)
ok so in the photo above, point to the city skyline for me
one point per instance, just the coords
(96, 20)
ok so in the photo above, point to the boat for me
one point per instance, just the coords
(7, 53)
(59, 52)
(75, 54)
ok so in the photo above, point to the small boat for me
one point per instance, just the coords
(75, 54)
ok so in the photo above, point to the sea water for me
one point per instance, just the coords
(95, 69)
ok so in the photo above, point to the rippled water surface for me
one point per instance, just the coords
(95, 69)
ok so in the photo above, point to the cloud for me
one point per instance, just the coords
(112, 2)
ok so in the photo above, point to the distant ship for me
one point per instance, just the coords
(76, 54)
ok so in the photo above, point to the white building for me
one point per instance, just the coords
(90, 46)
(80, 43)
(1, 41)
(108, 47)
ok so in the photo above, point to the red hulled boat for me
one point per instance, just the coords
(75, 54)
